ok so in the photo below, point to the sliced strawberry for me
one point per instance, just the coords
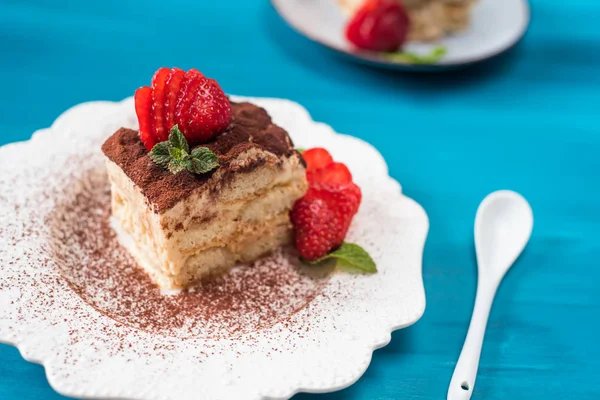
(203, 111)
(316, 158)
(183, 97)
(143, 109)
(192, 84)
(334, 173)
(209, 113)
(174, 89)
(159, 83)
(196, 103)
(194, 73)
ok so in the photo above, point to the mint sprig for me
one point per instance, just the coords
(352, 257)
(174, 155)
(432, 57)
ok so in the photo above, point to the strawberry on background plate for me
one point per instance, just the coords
(195, 103)
(379, 25)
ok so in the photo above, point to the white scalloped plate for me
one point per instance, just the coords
(87, 354)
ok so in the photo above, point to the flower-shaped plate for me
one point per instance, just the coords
(54, 197)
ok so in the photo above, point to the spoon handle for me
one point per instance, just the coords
(463, 379)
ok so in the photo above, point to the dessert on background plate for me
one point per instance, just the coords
(426, 20)
(384, 33)
(207, 183)
(385, 26)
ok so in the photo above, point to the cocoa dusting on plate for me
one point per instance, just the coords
(99, 270)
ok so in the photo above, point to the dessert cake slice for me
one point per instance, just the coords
(429, 19)
(185, 226)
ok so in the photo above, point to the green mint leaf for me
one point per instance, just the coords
(160, 154)
(177, 140)
(300, 150)
(176, 165)
(432, 57)
(352, 257)
(175, 156)
(202, 160)
(177, 153)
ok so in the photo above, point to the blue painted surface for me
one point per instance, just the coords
(528, 121)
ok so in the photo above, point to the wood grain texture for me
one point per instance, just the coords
(527, 121)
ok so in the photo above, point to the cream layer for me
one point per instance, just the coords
(204, 233)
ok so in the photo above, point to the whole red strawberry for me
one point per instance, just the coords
(379, 25)
(317, 228)
(343, 200)
(195, 103)
(322, 217)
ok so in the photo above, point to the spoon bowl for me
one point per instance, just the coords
(503, 225)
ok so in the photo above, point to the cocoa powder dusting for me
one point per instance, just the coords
(98, 269)
(251, 128)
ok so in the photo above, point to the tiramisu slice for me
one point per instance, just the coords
(192, 211)
(427, 19)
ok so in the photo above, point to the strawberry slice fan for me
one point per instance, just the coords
(193, 102)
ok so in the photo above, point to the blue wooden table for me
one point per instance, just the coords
(527, 121)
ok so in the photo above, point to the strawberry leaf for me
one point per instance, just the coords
(351, 257)
(177, 140)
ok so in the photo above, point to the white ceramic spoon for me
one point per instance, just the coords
(502, 229)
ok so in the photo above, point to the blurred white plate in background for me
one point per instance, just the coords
(496, 26)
